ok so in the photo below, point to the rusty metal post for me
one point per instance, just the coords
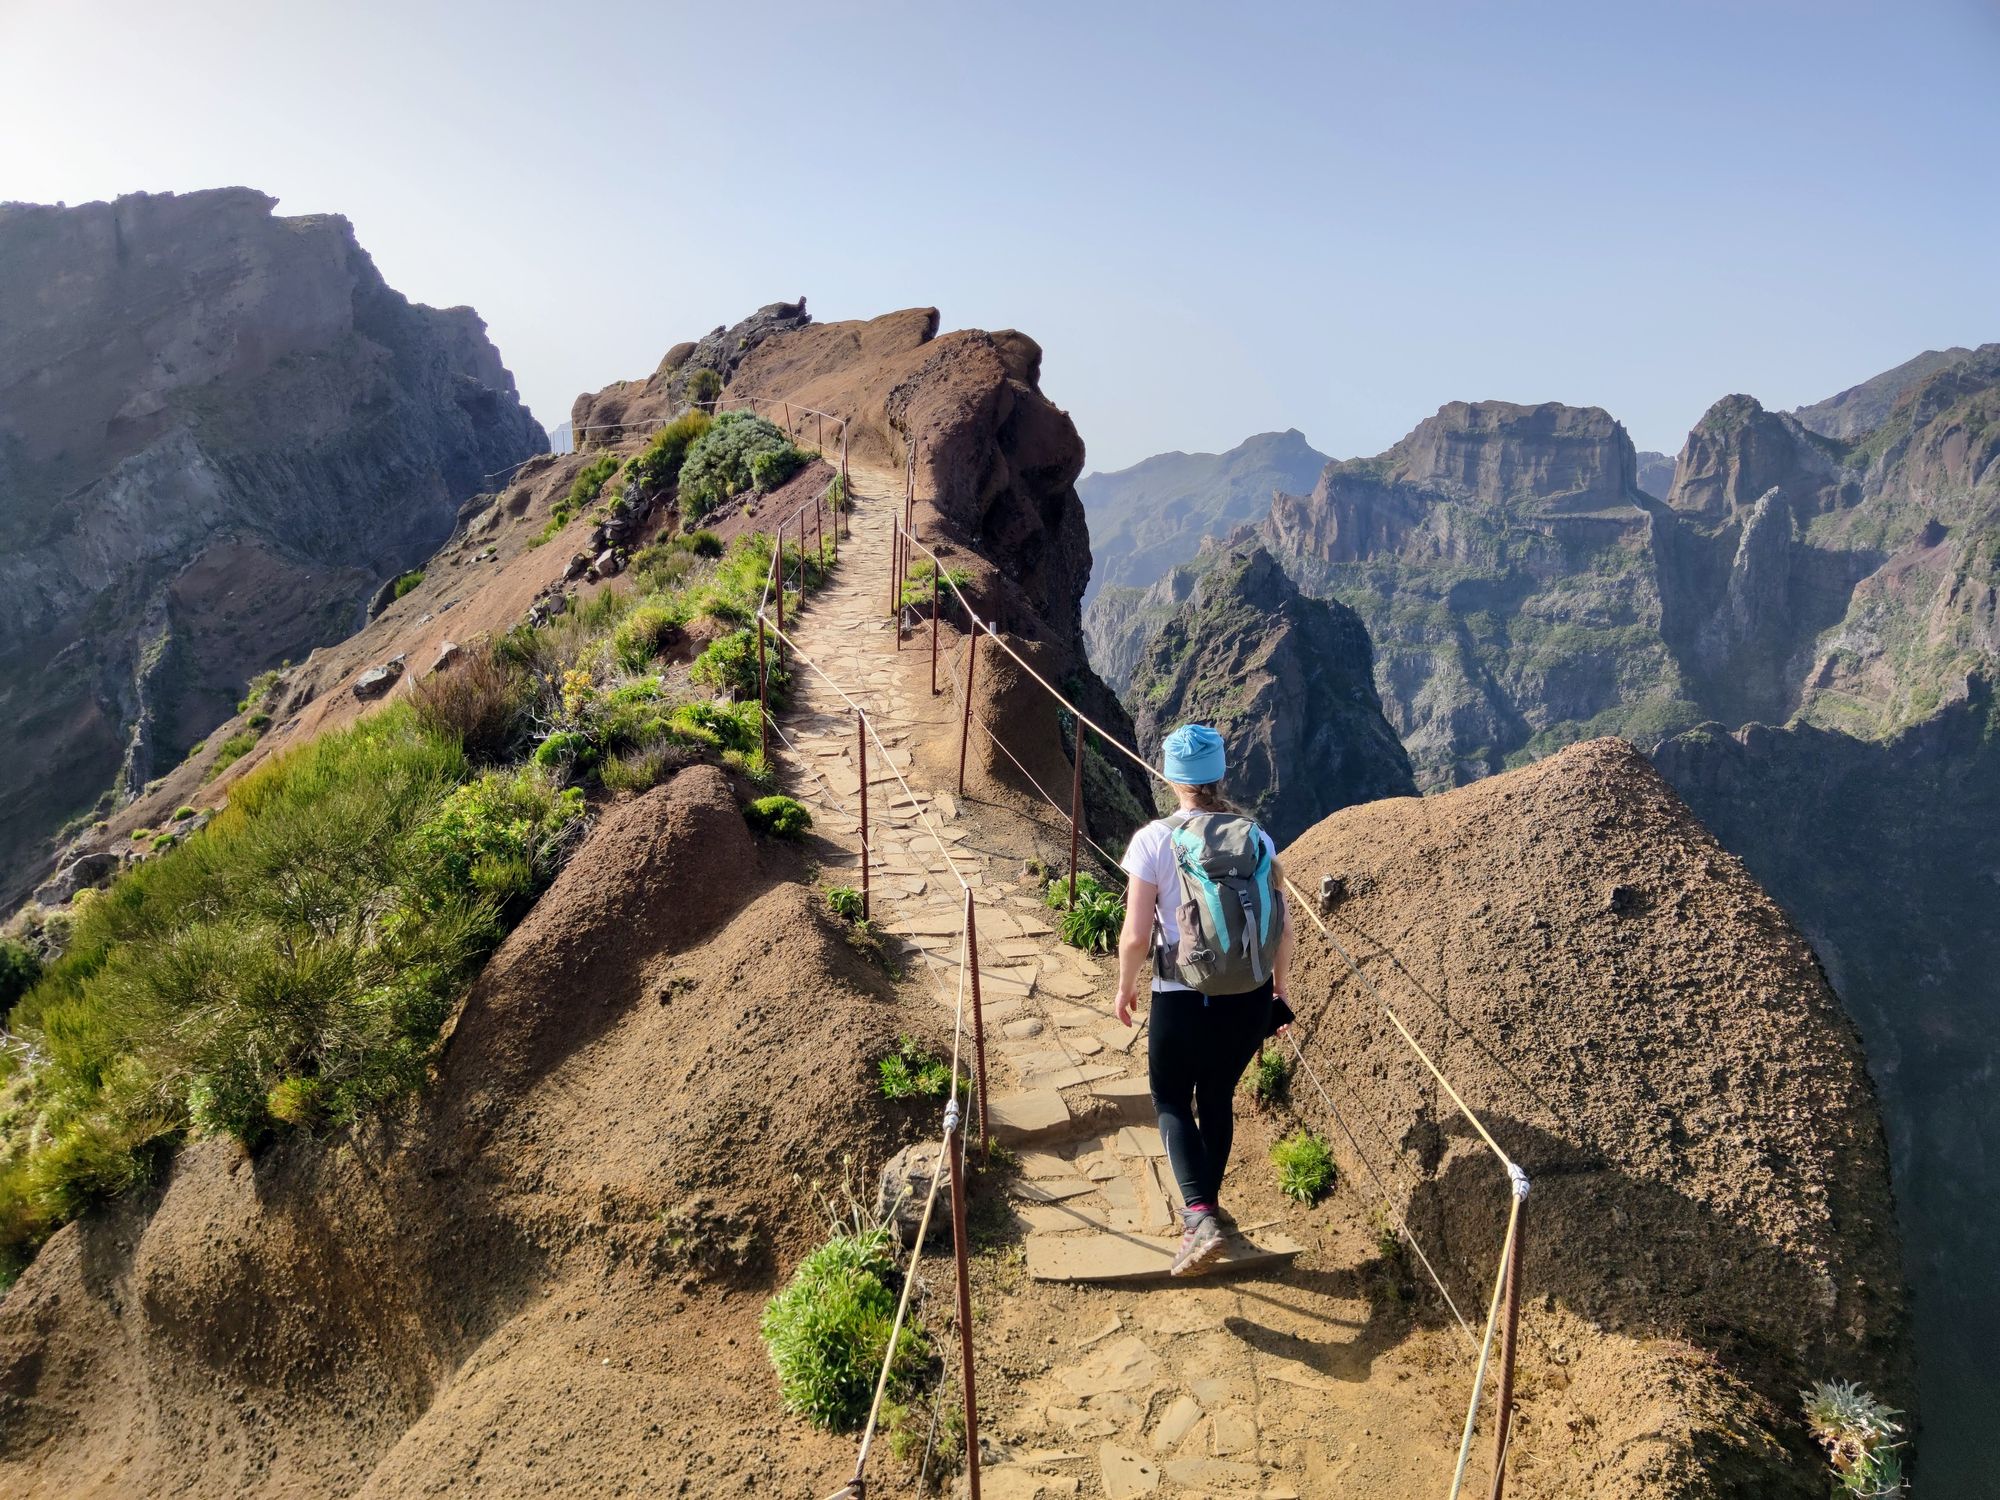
(846, 496)
(819, 433)
(861, 762)
(1075, 800)
(934, 630)
(788, 420)
(978, 1022)
(965, 729)
(955, 1150)
(778, 572)
(763, 697)
(895, 541)
(1510, 1331)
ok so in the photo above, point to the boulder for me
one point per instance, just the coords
(86, 872)
(448, 652)
(905, 1184)
(377, 681)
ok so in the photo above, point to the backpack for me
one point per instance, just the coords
(1227, 909)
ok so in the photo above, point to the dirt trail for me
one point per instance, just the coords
(1310, 1380)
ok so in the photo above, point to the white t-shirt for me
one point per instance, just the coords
(1150, 856)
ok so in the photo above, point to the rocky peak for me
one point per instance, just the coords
(603, 417)
(1289, 682)
(1738, 451)
(1857, 411)
(219, 430)
(1498, 453)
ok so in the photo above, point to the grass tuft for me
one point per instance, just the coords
(1305, 1166)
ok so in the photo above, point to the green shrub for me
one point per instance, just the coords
(773, 467)
(644, 634)
(703, 385)
(1056, 896)
(638, 770)
(183, 813)
(844, 901)
(589, 483)
(409, 581)
(729, 665)
(917, 589)
(658, 467)
(910, 1072)
(827, 1333)
(195, 749)
(231, 751)
(780, 816)
(20, 967)
(1271, 1078)
(480, 701)
(836, 494)
(702, 543)
(502, 836)
(259, 721)
(1860, 1436)
(304, 935)
(1093, 925)
(716, 726)
(718, 466)
(566, 750)
(260, 689)
(294, 1101)
(1305, 1166)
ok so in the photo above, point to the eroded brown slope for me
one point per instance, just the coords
(1646, 1032)
(545, 1277)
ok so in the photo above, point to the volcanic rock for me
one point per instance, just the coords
(1289, 683)
(218, 429)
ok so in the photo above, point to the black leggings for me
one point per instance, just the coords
(1196, 1050)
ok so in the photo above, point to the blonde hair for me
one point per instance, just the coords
(1206, 798)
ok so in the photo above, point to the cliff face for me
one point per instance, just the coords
(1146, 519)
(1887, 853)
(219, 430)
(1648, 1036)
(1499, 557)
(1288, 681)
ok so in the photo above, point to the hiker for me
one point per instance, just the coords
(1204, 900)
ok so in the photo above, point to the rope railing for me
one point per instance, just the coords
(1503, 1315)
(952, 1146)
(1502, 1318)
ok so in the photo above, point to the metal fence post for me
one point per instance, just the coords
(861, 761)
(934, 629)
(955, 1151)
(763, 698)
(978, 1021)
(1510, 1330)
(1075, 801)
(965, 729)
(846, 499)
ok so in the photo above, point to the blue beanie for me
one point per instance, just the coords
(1194, 756)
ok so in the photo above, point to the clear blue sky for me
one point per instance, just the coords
(1329, 217)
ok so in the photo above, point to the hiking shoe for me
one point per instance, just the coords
(1201, 1243)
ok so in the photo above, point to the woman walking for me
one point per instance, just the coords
(1203, 900)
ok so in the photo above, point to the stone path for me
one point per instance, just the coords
(1156, 1394)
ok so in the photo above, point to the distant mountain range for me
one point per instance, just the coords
(1145, 519)
(1528, 579)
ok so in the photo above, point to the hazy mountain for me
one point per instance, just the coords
(220, 430)
(1146, 518)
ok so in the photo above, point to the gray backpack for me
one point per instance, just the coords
(1227, 909)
